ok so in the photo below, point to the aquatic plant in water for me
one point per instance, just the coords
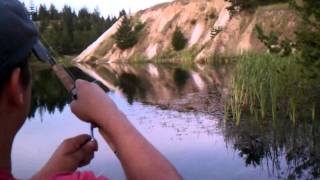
(270, 86)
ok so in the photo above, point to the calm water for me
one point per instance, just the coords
(202, 145)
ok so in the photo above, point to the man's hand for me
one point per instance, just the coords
(94, 105)
(71, 154)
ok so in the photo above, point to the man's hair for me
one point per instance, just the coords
(5, 73)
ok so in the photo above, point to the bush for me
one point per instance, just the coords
(178, 40)
(193, 22)
(249, 5)
(138, 26)
(272, 41)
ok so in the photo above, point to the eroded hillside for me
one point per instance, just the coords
(197, 19)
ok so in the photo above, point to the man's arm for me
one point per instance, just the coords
(138, 157)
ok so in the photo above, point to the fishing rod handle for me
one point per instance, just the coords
(64, 77)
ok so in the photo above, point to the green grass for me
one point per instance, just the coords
(185, 56)
(270, 86)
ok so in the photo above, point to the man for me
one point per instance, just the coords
(138, 157)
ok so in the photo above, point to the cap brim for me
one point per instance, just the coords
(41, 52)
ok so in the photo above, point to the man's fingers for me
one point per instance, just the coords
(74, 144)
(87, 160)
(86, 153)
(79, 83)
(91, 146)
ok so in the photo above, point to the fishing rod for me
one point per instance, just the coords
(65, 76)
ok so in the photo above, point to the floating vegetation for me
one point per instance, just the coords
(271, 86)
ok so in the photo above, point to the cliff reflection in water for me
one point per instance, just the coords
(287, 150)
(170, 86)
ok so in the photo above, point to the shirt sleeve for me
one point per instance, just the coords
(6, 175)
(87, 175)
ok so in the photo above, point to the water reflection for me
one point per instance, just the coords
(48, 95)
(168, 86)
(288, 150)
(283, 149)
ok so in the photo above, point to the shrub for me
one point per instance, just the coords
(272, 41)
(178, 40)
(193, 22)
(138, 26)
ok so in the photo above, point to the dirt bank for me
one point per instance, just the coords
(197, 19)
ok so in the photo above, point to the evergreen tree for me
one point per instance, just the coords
(178, 40)
(67, 29)
(68, 32)
(43, 18)
(43, 13)
(308, 34)
(125, 37)
(84, 23)
(122, 13)
(54, 14)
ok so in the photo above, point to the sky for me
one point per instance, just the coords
(106, 7)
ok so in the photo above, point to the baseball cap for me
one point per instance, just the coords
(18, 34)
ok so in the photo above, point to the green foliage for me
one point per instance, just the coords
(308, 34)
(273, 43)
(249, 5)
(68, 32)
(139, 26)
(178, 40)
(127, 36)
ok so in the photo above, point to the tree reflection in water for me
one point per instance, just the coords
(132, 86)
(48, 94)
(181, 77)
(290, 151)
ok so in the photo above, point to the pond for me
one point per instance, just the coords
(180, 110)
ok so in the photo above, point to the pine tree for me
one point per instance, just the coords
(126, 37)
(31, 9)
(54, 14)
(178, 40)
(68, 32)
(43, 17)
(308, 35)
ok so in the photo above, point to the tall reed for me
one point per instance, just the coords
(272, 86)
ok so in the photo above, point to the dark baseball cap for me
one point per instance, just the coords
(18, 34)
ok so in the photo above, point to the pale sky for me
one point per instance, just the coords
(106, 7)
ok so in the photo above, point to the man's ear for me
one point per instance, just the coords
(14, 88)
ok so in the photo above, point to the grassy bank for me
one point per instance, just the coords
(276, 87)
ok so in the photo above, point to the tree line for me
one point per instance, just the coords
(70, 32)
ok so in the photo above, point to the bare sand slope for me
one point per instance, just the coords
(197, 19)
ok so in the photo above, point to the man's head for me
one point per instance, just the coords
(18, 35)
